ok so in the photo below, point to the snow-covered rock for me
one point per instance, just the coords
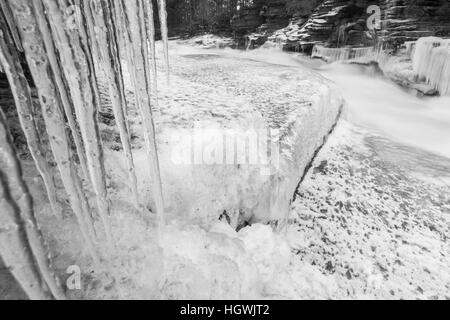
(241, 98)
(257, 107)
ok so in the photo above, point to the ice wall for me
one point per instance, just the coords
(431, 62)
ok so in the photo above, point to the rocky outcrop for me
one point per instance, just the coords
(338, 23)
(253, 26)
(408, 20)
(246, 21)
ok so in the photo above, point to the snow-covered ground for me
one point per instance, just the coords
(375, 215)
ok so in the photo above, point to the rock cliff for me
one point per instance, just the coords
(337, 23)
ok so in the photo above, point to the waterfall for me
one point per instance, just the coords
(344, 54)
(431, 62)
(410, 47)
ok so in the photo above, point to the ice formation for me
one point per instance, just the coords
(301, 106)
(344, 54)
(110, 65)
(69, 47)
(24, 103)
(131, 17)
(22, 245)
(431, 62)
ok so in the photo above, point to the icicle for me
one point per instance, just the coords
(14, 248)
(56, 68)
(164, 35)
(136, 42)
(110, 62)
(20, 194)
(344, 54)
(148, 9)
(11, 25)
(40, 69)
(24, 103)
(431, 62)
(78, 67)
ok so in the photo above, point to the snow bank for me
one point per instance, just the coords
(431, 62)
(213, 93)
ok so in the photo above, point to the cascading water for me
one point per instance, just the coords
(431, 62)
(344, 54)
(375, 103)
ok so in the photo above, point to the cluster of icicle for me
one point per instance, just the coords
(343, 54)
(67, 44)
(431, 62)
(410, 47)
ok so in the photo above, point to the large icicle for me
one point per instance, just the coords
(164, 34)
(11, 25)
(20, 194)
(344, 54)
(78, 68)
(24, 104)
(129, 16)
(431, 62)
(99, 14)
(15, 250)
(62, 88)
(149, 17)
(54, 119)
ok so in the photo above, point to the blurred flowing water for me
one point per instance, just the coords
(374, 102)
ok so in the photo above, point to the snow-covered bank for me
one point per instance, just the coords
(374, 215)
(214, 91)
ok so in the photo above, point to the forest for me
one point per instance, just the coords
(196, 16)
